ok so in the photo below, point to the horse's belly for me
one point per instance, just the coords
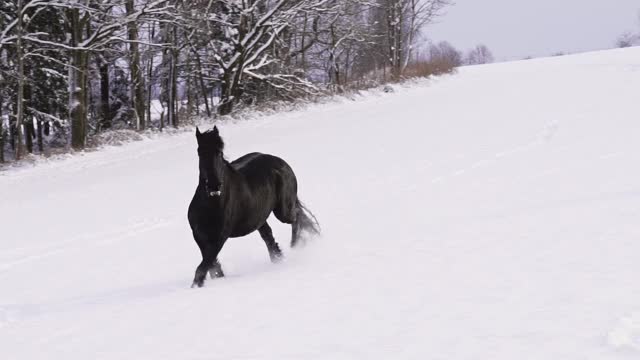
(245, 229)
(246, 226)
(242, 232)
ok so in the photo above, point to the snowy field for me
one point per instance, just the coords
(494, 214)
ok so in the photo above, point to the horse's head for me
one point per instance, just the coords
(212, 163)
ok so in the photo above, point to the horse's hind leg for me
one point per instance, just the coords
(267, 235)
(290, 214)
(287, 213)
(296, 229)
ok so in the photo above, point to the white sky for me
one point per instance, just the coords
(515, 29)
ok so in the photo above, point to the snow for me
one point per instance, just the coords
(627, 333)
(157, 109)
(491, 214)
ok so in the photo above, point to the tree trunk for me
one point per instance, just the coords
(137, 80)
(2, 134)
(231, 88)
(170, 101)
(334, 70)
(77, 99)
(12, 132)
(77, 84)
(176, 101)
(20, 150)
(411, 34)
(201, 80)
(190, 95)
(215, 92)
(399, 41)
(345, 78)
(40, 137)
(394, 31)
(174, 84)
(226, 100)
(302, 45)
(29, 132)
(172, 78)
(105, 106)
(152, 35)
(165, 80)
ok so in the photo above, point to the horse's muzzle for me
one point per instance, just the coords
(212, 193)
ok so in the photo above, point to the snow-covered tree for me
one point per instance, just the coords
(79, 67)
(248, 34)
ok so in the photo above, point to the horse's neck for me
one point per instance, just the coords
(233, 178)
(231, 175)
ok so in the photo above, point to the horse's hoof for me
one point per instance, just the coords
(197, 284)
(276, 258)
(216, 274)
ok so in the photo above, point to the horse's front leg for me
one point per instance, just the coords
(216, 270)
(210, 250)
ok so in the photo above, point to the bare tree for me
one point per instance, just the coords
(20, 150)
(404, 20)
(252, 27)
(137, 79)
(479, 55)
(444, 57)
(420, 14)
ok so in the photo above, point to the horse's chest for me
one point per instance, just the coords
(206, 217)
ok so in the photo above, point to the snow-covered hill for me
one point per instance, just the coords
(493, 214)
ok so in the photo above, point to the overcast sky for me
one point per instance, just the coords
(515, 29)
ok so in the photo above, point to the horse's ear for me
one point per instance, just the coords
(218, 139)
(198, 132)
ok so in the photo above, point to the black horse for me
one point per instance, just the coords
(235, 199)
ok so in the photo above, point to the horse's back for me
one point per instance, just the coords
(240, 164)
(259, 168)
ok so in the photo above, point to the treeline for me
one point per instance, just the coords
(70, 69)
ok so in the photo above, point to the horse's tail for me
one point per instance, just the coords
(305, 221)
